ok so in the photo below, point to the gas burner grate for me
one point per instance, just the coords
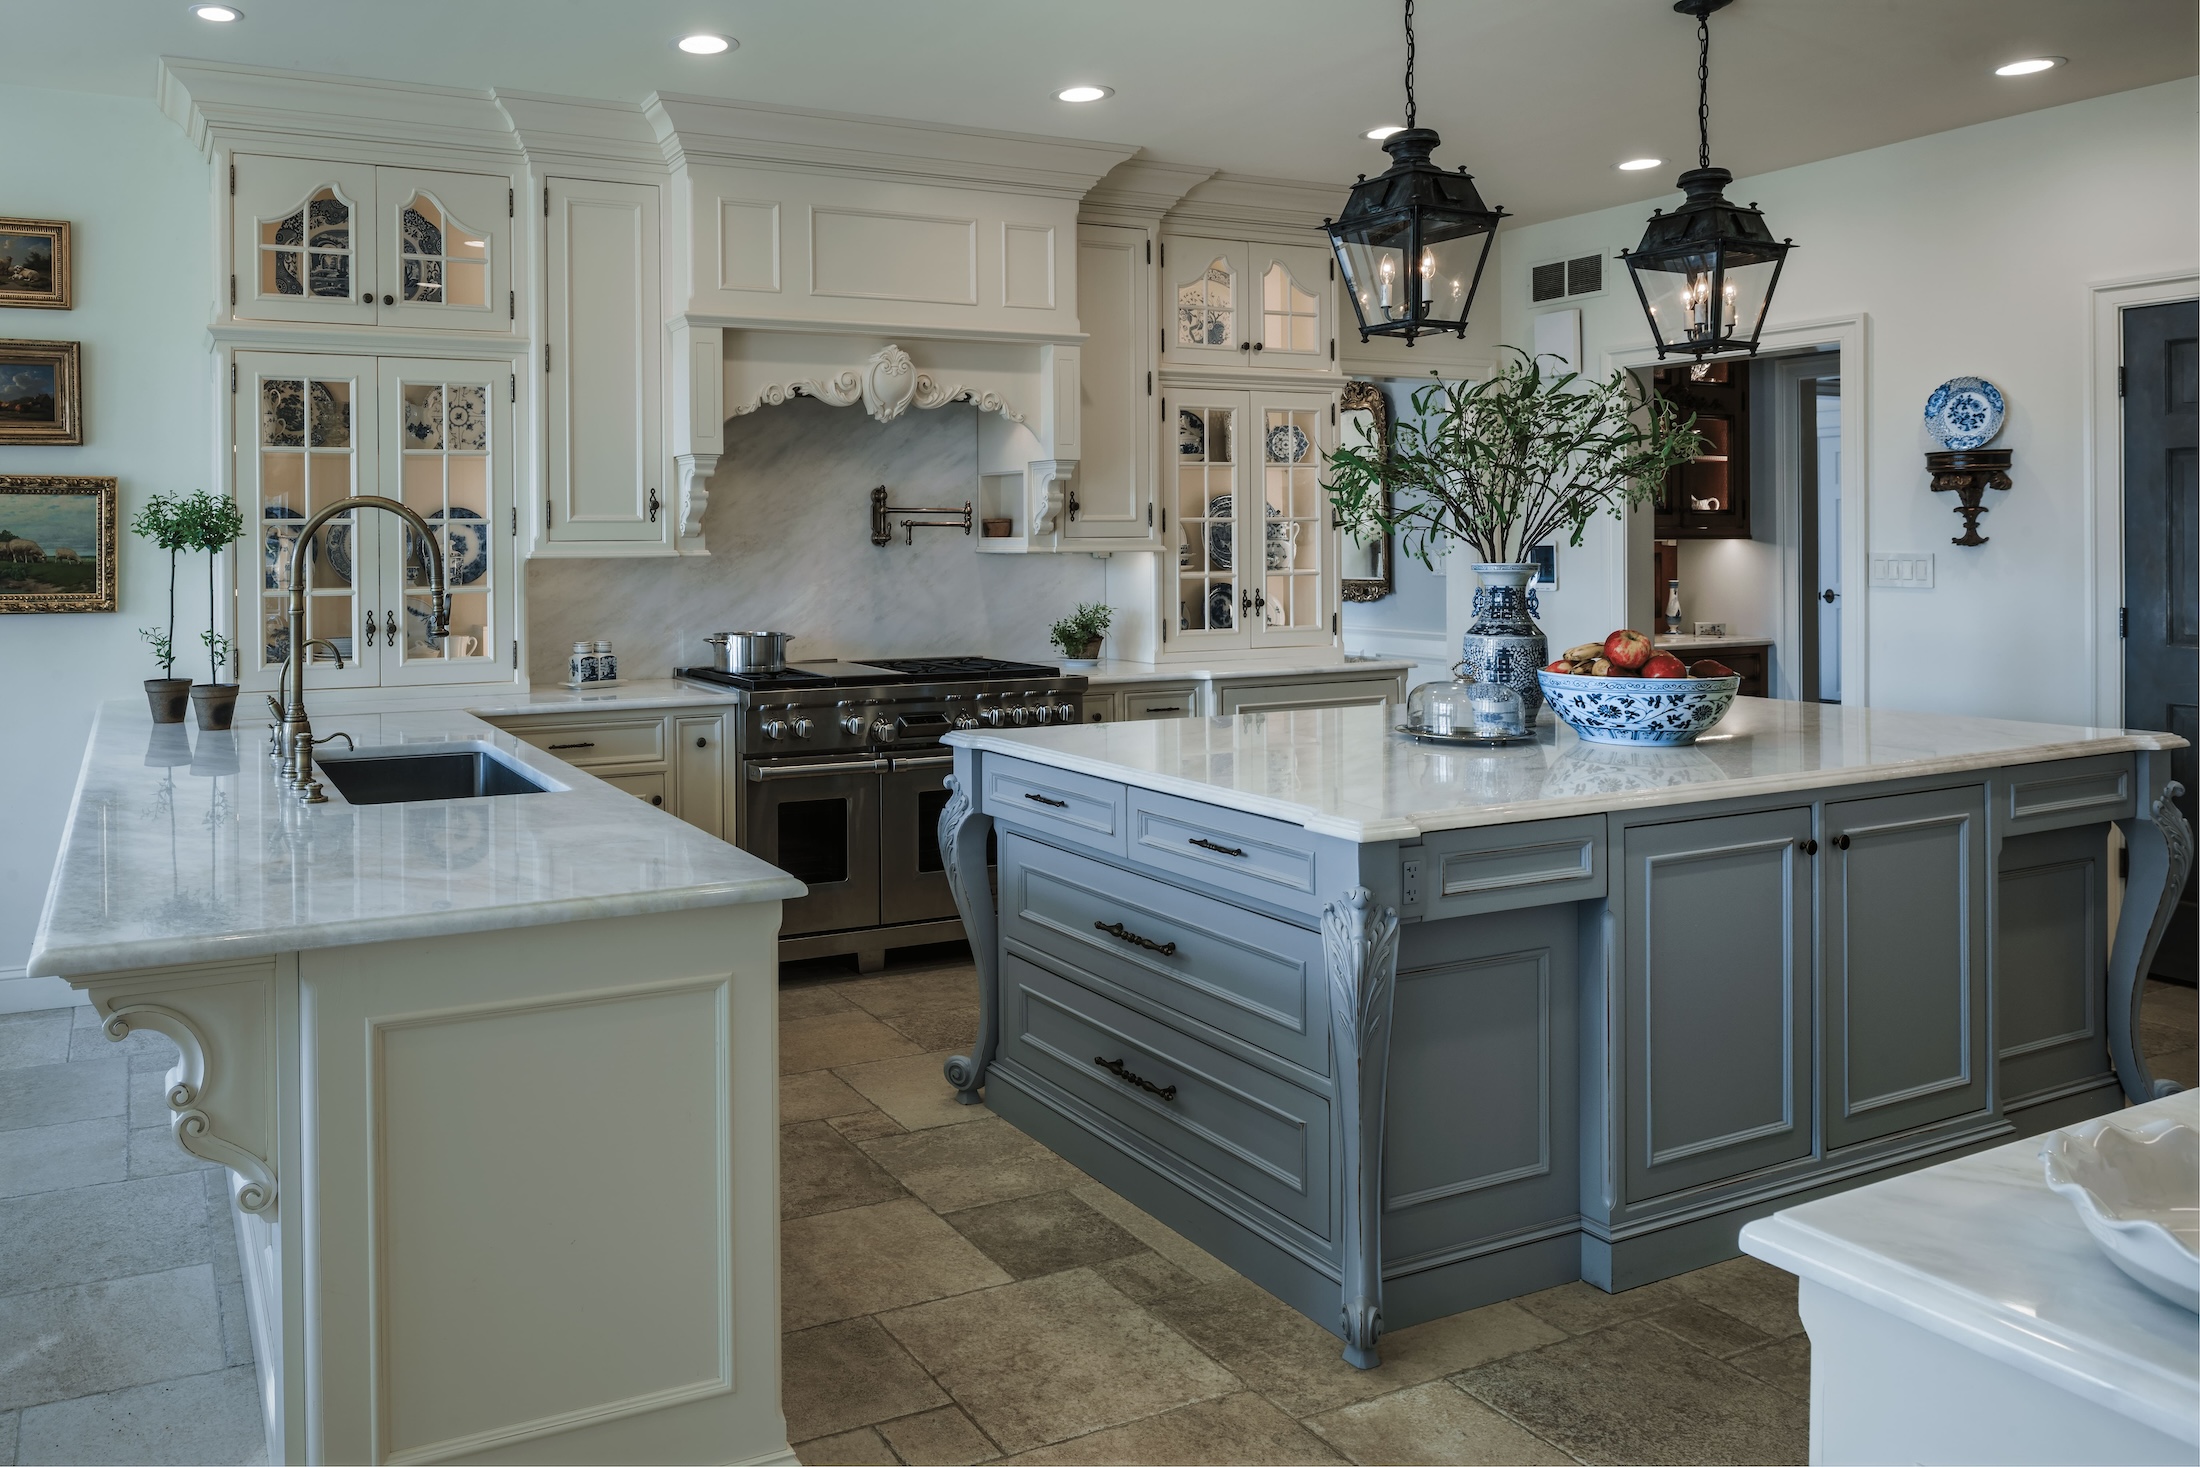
(961, 667)
(793, 677)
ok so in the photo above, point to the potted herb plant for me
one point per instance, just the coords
(212, 523)
(161, 522)
(1519, 459)
(1079, 634)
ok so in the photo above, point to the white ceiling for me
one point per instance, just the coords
(1538, 98)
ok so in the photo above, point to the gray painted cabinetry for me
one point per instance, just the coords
(1391, 1080)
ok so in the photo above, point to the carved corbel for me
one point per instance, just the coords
(1360, 954)
(254, 1186)
(962, 833)
(695, 472)
(2160, 843)
(1968, 475)
(1048, 482)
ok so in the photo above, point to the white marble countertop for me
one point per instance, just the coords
(1979, 1251)
(180, 849)
(640, 693)
(1345, 772)
(1222, 669)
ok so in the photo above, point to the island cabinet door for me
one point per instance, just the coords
(1714, 1066)
(1904, 924)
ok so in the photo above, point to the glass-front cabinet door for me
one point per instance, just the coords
(1250, 534)
(305, 436)
(1295, 319)
(1203, 300)
(446, 443)
(1292, 601)
(445, 246)
(1207, 468)
(303, 244)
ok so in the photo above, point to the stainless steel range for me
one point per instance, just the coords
(841, 785)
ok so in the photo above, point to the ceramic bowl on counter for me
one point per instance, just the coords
(1650, 712)
(2137, 1189)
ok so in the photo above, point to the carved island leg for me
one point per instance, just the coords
(962, 852)
(1360, 949)
(2160, 843)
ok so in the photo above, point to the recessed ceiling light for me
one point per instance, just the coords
(704, 43)
(1083, 94)
(1377, 134)
(2030, 65)
(218, 14)
(1637, 165)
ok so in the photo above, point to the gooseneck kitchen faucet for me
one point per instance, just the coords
(294, 734)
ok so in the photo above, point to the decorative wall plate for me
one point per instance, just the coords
(1287, 444)
(1964, 413)
(1191, 434)
(1221, 607)
(1219, 512)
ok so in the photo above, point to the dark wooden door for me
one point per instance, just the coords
(2162, 559)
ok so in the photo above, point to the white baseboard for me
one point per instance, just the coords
(19, 994)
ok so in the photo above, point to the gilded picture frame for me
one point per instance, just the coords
(36, 268)
(1368, 573)
(41, 399)
(57, 543)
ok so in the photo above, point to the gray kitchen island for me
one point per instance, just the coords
(1398, 1030)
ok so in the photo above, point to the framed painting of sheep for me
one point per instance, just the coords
(57, 543)
(34, 264)
(39, 398)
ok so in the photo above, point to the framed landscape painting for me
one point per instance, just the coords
(57, 543)
(34, 264)
(39, 397)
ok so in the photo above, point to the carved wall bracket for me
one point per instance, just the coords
(695, 471)
(888, 383)
(1050, 489)
(1968, 476)
(254, 1187)
(1360, 954)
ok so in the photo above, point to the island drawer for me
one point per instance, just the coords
(2037, 797)
(1235, 1127)
(1251, 976)
(1494, 868)
(1061, 804)
(1227, 850)
(609, 741)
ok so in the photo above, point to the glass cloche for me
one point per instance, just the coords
(1464, 709)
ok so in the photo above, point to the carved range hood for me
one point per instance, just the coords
(890, 265)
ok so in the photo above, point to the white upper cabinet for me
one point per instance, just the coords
(1111, 503)
(353, 244)
(603, 346)
(1247, 304)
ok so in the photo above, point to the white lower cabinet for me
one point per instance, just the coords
(1278, 697)
(1345, 688)
(673, 761)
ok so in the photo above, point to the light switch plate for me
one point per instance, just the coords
(1902, 572)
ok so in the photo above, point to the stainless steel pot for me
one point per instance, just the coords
(749, 651)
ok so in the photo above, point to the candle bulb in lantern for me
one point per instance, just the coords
(1389, 269)
(1730, 309)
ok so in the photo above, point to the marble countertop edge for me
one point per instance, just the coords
(2129, 1385)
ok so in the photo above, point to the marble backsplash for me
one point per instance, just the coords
(789, 527)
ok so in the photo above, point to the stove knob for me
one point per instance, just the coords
(853, 722)
(1062, 712)
(994, 717)
(1020, 715)
(884, 731)
(966, 720)
(802, 728)
(775, 728)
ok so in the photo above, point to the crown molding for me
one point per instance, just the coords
(1142, 189)
(223, 104)
(581, 130)
(1242, 203)
(708, 130)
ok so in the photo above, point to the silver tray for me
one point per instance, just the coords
(1478, 741)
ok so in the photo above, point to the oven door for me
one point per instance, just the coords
(817, 820)
(912, 878)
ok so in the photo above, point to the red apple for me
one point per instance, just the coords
(1561, 665)
(1628, 649)
(1665, 664)
(1712, 667)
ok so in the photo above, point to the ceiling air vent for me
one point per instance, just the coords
(1565, 280)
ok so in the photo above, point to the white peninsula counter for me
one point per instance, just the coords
(495, 1078)
(1400, 1029)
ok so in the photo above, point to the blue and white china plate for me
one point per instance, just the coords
(337, 541)
(1287, 444)
(1191, 434)
(466, 544)
(1222, 607)
(278, 532)
(1219, 510)
(1964, 413)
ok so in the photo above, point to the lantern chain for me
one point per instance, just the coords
(1409, 63)
(1703, 89)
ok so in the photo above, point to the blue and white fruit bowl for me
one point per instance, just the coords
(1646, 712)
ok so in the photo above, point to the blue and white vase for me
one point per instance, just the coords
(1505, 645)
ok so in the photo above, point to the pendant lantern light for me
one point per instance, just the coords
(1412, 243)
(1706, 271)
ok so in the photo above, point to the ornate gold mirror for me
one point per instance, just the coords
(1363, 421)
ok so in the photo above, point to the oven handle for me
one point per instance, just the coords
(923, 761)
(758, 773)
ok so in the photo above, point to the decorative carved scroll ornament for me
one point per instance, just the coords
(888, 383)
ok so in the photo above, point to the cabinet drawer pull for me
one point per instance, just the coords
(584, 744)
(657, 800)
(1116, 1068)
(1810, 847)
(1163, 708)
(1841, 841)
(1208, 845)
(1117, 929)
(1042, 799)
(702, 742)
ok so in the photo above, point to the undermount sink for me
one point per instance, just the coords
(444, 772)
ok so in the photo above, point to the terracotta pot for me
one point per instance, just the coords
(167, 697)
(216, 703)
(1092, 650)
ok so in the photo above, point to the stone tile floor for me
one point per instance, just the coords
(953, 1292)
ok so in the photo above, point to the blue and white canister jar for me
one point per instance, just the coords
(607, 664)
(583, 663)
(1505, 645)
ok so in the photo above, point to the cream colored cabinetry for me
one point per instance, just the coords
(1127, 703)
(312, 430)
(1111, 503)
(1268, 307)
(1330, 692)
(602, 372)
(676, 762)
(360, 244)
(1346, 687)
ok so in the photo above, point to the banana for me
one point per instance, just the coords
(1586, 652)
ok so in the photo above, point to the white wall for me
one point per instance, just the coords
(137, 193)
(1971, 252)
